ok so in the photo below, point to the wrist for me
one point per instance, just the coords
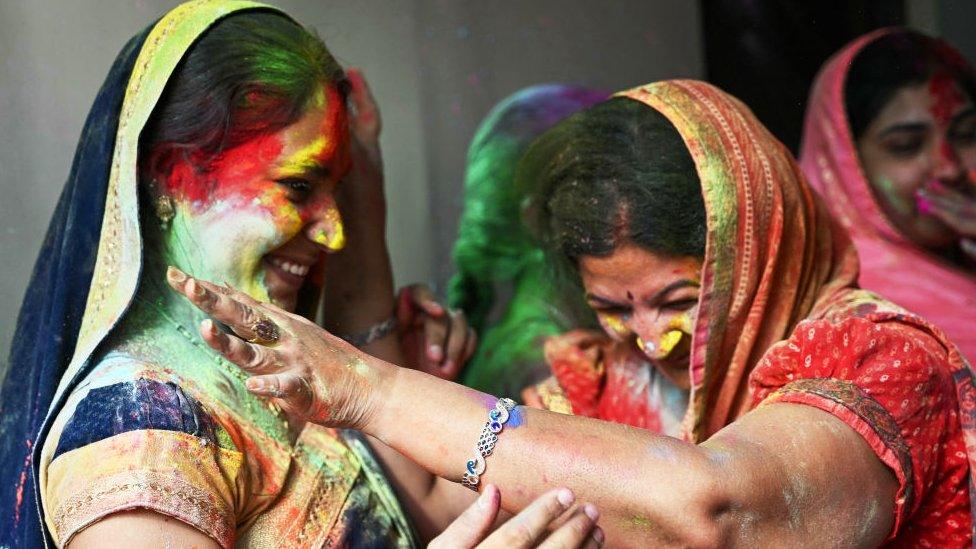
(385, 378)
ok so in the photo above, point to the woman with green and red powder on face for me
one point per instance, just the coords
(818, 414)
(217, 143)
(890, 144)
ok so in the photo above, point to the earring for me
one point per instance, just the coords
(165, 210)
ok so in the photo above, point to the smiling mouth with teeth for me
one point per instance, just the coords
(289, 267)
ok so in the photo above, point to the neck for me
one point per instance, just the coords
(154, 293)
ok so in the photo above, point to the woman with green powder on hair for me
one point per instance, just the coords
(503, 283)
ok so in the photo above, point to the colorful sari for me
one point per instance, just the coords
(890, 263)
(780, 320)
(126, 409)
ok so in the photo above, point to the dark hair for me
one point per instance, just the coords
(250, 74)
(893, 61)
(615, 173)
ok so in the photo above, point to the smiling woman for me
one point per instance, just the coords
(216, 144)
(890, 143)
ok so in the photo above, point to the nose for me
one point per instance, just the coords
(948, 167)
(325, 227)
(654, 335)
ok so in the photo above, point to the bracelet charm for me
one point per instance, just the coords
(497, 417)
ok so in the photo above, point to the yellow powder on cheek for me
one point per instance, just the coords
(286, 216)
(669, 341)
(615, 324)
(679, 326)
(682, 322)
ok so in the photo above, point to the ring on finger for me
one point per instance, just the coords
(265, 331)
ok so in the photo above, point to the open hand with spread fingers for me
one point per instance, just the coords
(312, 374)
(544, 523)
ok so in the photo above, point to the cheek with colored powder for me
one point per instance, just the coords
(679, 327)
(669, 341)
(614, 325)
(896, 201)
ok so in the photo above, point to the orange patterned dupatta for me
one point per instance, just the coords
(773, 258)
(890, 264)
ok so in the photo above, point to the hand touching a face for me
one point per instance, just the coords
(360, 196)
(311, 374)
(955, 208)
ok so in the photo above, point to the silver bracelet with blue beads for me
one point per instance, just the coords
(497, 417)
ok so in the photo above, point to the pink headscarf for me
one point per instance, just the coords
(891, 265)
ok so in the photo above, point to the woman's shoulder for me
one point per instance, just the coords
(130, 434)
(124, 394)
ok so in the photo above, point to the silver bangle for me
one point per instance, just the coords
(373, 333)
(497, 417)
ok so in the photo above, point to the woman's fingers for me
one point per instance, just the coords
(473, 524)
(423, 297)
(577, 531)
(455, 344)
(367, 122)
(526, 528)
(968, 246)
(220, 303)
(436, 332)
(252, 358)
(952, 207)
(293, 390)
(472, 344)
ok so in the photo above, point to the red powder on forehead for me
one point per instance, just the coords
(240, 170)
(946, 97)
(235, 167)
(336, 126)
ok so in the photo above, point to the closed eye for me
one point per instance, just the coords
(298, 189)
(680, 305)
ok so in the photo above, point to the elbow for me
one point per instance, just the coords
(702, 515)
(708, 522)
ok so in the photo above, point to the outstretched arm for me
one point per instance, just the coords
(785, 473)
(360, 294)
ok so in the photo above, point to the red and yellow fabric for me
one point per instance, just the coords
(781, 320)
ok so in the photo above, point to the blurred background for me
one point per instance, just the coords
(436, 68)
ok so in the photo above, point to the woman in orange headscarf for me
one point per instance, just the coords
(890, 143)
(818, 414)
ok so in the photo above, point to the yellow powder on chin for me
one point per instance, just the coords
(669, 341)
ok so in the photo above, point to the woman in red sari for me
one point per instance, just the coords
(818, 414)
(890, 143)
